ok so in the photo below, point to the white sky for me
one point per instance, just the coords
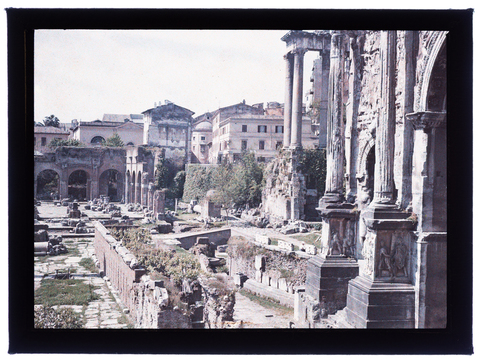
(82, 74)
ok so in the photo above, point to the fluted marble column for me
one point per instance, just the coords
(335, 125)
(385, 133)
(287, 114)
(297, 98)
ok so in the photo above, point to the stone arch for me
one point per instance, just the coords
(436, 97)
(433, 47)
(130, 144)
(47, 185)
(111, 184)
(97, 140)
(79, 184)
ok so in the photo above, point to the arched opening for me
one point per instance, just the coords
(48, 185)
(110, 184)
(437, 87)
(77, 185)
(97, 141)
(130, 144)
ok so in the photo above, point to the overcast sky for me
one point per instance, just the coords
(82, 74)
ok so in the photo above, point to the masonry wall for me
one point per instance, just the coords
(123, 278)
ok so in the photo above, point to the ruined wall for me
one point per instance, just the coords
(284, 194)
(279, 270)
(94, 161)
(118, 265)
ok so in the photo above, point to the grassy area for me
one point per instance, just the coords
(88, 264)
(64, 292)
(267, 303)
(313, 238)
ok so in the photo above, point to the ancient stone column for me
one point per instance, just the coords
(411, 51)
(127, 189)
(144, 188)
(150, 195)
(351, 133)
(335, 125)
(385, 132)
(297, 98)
(287, 113)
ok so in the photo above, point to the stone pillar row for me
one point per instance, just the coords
(293, 99)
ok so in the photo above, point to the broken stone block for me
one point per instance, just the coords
(40, 236)
(262, 239)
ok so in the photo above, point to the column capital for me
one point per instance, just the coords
(427, 120)
(299, 51)
(288, 56)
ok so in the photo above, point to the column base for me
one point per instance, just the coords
(380, 305)
(327, 280)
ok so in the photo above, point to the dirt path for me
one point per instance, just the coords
(254, 315)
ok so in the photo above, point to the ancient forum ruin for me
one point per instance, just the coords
(377, 253)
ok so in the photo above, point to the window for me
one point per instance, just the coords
(97, 140)
(262, 129)
(261, 145)
(44, 141)
(193, 148)
(244, 128)
(261, 159)
(278, 129)
(202, 138)
(202, 148)
(194, 138)
(279, 145)
(244, 145)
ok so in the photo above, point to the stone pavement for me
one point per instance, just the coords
(105, 312)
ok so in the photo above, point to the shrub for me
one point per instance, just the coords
(63, 318)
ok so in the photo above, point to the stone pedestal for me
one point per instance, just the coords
(382, 296)
(380, 305)
(327, 280)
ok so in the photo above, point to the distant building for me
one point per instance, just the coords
(201, 142)
(256, 129)
(169, 127)
(94, 133)
(44, 135)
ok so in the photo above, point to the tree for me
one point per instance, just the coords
(51, 121)
(313, 164)
(55, 143)
(114, 141)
